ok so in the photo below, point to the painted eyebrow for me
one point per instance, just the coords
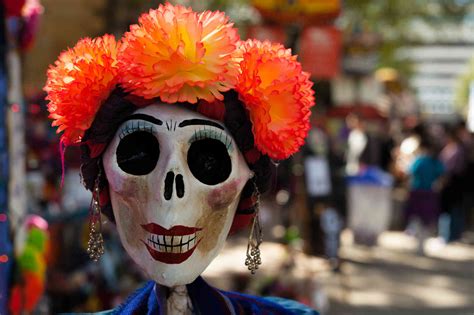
(149, 118)
(192, 122)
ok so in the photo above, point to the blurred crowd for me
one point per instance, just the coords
(387, 167)
(432, 161)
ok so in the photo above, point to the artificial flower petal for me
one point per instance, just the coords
(278, 96)
(78, 83)
(179, 55)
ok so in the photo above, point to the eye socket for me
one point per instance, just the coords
(209, 161)
(138, 153)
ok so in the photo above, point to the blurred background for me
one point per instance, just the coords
(375, 215)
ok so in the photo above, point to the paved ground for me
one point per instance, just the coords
(392, 279)
(388, 279)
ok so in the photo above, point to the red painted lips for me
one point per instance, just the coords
(171, 246)
(175, 230)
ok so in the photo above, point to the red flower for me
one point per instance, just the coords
(179, 55)
(278, 96)
(78, 82)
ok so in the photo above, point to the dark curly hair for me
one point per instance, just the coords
(118, 106)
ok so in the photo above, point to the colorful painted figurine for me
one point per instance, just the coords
(179, 122)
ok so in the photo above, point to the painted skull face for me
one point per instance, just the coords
(175, 179)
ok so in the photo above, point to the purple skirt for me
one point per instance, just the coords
(424, 205)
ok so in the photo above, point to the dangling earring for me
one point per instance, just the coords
(95, 246)
(253, 259)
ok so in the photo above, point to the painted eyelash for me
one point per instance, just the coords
(206, 133)
(136, 125)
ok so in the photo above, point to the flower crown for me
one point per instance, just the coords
(183, 56)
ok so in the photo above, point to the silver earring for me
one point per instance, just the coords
(95, 246)
(253, 259)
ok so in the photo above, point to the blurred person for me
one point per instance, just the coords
(364, 148)
(331, 224)
(467, 141)
(422, 208)
(357, 141)
(453, 156)
(406, 152)
(387, 145)
(318, 184)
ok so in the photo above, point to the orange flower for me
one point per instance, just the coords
(78, 82)
(278, 96)
(179, 55)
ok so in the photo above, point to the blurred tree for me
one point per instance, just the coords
(240, 11)
(401, 22)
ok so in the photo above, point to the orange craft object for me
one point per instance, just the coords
(25, 297)
(179, 55)
(78, 82)
(278, 96)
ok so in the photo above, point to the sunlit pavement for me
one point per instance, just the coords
(230, 262)
(392, 279)
(387, 279)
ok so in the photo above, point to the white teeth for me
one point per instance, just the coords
(172, 244)
(176, 240)
(192, 242)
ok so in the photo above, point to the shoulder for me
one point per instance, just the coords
(250, 304)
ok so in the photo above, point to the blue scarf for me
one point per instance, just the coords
(210, 301)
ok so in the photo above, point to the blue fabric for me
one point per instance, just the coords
(143, 301)
(209, 301)
(249, 304)
(371, 176)
(295, 307)
(424, 171)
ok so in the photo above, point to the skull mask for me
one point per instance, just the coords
(175, 179)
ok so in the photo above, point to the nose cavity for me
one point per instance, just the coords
(179, 186)
(169, 185)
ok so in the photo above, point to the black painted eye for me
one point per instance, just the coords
(209, 161)
(138, 153)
